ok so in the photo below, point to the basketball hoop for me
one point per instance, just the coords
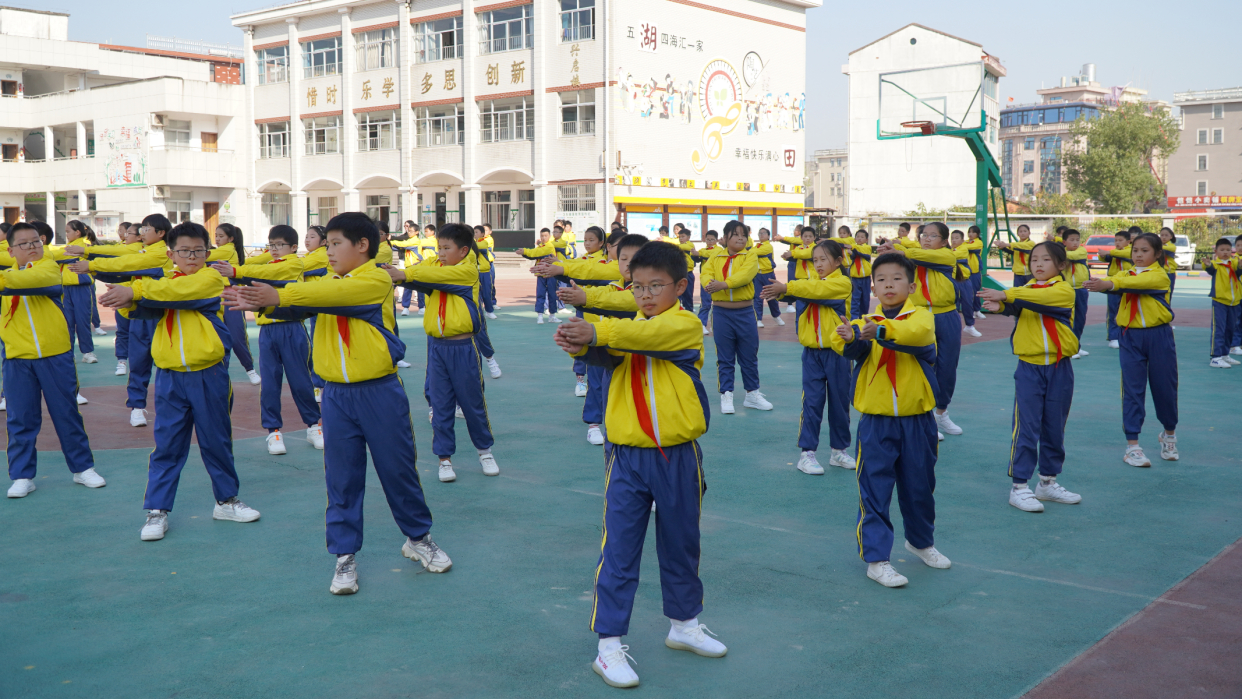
(928, 128)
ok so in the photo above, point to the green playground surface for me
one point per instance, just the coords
(243, 610)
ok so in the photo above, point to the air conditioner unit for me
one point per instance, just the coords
(157, 121)
(161, 191)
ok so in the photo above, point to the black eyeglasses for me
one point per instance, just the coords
(29, 245)
(190, 254)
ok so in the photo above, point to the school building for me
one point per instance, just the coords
(516, 113)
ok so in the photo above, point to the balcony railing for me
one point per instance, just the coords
(577, 128)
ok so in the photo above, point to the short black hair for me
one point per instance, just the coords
(713, 234)
(125, 224)
(1070, 231)
(382, 226)
(16, 228)
(1123, 234)
(831, 248)
(430, 227)
(894, 258)
(664, 230)
(1222, 241)
(732, 227)
(356, 226)
(940, 229)
(159, 222)
(460, 235)
(1135, 230)
(615, 237)
(45, 231)
(544, 230)
(5, 226)
(634, 240)
(189, 229)
(284, 233)
(903, 226)
(662, 257)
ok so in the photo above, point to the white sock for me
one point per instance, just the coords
(681, 625)
(1020, 486)
(609, 643)
(445, 462)
(484, 452)
(1047, 479)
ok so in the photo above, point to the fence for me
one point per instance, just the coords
(207, 48)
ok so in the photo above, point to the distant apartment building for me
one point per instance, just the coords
(1205, 174)
(829, 177)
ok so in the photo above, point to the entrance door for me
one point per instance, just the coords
(441, 209)
(211, 216)
(11, 214)
(209, 141)
(8, 87)
(9, 152)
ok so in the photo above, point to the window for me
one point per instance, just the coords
(578, 113)
(323, 135)
(526, 209)
(1201, 163)
(378, 206)
(438, 40)
(440, 126)
(321, 57)
(1201, 137)
(507, 30)
(276, 208)
(1007, 165)
(1218, 135)
(508, 120)
(379, 130)
(1050, 164)
(1028, 166)
(1218, 111)
(575, 197)
(1029, 144)
(327, 209)
(496, 210)
(577, 20)
(1028, 189)
(273, 63)
(178, 204)
(274, 140)
(176, 134)
(1201, 188)
(376, 49)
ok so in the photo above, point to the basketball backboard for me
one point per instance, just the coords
(950, 97)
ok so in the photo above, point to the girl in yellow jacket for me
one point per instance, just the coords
(859, 272)
(729, 278)
(974, 248)
(1020, 250)
(231, 249)
(79, 299)
(1044, 341)
(1077, 273)
(766, 275)
(552, 247)
(965, 287)
(1148, 351)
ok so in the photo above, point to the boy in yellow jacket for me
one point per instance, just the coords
(192, 389)
(38, 364)
(729, 277)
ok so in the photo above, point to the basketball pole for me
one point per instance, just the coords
(987, 178)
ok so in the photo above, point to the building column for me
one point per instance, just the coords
(545, 115)
(349, 128)
(408, 131)
(81, 129)
(84, 202)
(297, 144)
(49, 213)
(473, 214)
(297, 203)
(49, 144)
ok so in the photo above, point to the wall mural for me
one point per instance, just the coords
(125, 155)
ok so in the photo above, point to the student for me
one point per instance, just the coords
(860, 274)
(364, 404)
(551, 247)
(729, 278)
(454, 369)
(426, 252)
(935, 275)
(1020, 250)
(487, 271)
(571, 238)
(1118, 260)
(1226, 294)
(1148, 351)
(791, 265)
(825, 371)
(965, 287)
(315, 266)
(1077, 273)
(894, 389)
(711, 248)
(974, 247)
(687, 247)
(657, 409)
(131, 243)
(231, 249)
(410, 247)
(192, 389)
(78, 298)
(284, 348)
(38, 364)
(595, 256)
(1043, 340)
(766, 275)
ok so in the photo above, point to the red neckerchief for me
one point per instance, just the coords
(888, 357)
(922, 275)
(16, 300)
(171, 313)
(1134, 302)
(724, 269)
(638, 369)
(1021, 257)
(858, 264)
(1050, 325)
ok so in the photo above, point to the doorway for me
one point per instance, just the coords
(8, 87)
(211, 216)
(9, 152)
(209, 141)
(441, 209)
(11, 214)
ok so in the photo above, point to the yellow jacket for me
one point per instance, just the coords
(688, 248)
(315, 264)
(1118, 260)
(1078, 272)
(152, 261)
(1021, 251)
(860, 261)
(591, 270)
(613, 301)
(32, 324)
(655, 397)
(69, 278)
(1044, 333)
(189, 335)
(111, 250)
(228, 253)
(486, 254)
(1226, 288)
(802, 256)
(383, 253)
(452, 296)
(553, 248)
(974, 248)
(1144, 297)
(702, 256)
(935, 272)
(767, 257)
(893, 374)
(1170, 264)
(738, 271)
(280, 272)
(828, 306)
(428, 247)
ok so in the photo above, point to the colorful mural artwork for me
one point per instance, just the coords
(663, 99)
(125, 155)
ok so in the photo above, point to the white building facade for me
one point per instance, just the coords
(517, 113)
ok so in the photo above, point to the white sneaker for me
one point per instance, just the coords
(1219, 363)
(780, 321)
(707, 330)
(1231, 360)
(122, 368)
(493, 367)
(89, 478)
(1024, 499)
(567, 311)
(314, 435)
(276, 443)
(939, 436)
(970, 330)
(580, 388)
(402, 364)
(422, 311)
(318, 395)
(945, 424)
(808, 464)
(1235, 350)
(426, 552)
(405, 312)
(594, 435)
(930, 556)
(99, 332)
(431, 416)
(1083, 352)
(138, 417)
(1076, 355)
(447, 475)
(1135, 457)
(726, 403)
(345, 579)
(554, 319)
(840, 459)
(488, 462)
(4, 404)
(1168, 447)
(490, 315)
(759, 323)
(253, 375)
(90, 358)
(156, 526)
(1113, 344)
(612, 664)
(755, 399)
(21, 488)
(884, 574)
(82, 399)
(539, 319)
(234, 510)
(1052, 491)
(692, 636)
(459, 414)
(979, 315)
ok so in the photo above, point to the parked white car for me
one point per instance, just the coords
(1185, 255)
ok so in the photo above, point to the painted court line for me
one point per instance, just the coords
(1080, 586)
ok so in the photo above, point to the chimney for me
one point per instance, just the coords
(1088, 71)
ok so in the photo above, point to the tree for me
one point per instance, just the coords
(1110, 167)
(1058, 206)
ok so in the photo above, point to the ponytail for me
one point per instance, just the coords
(235, 237)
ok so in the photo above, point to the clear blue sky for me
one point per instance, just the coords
(1161, 47)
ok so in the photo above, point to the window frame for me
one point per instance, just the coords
(386, 49)
(571, 21)
(575, 198)
(264, 65)
(1218, 111)
(487, 24)
(310, 52)
(172, 126)
(1201, 137)
(424, 31)
(520, 112)
(1028, 189)
(372, 127)
(333, 209)
(577, 126)
(331, 140)
(376, 207)
(179, 197)
(1028, 166)
(1201, 162)
(268, 134)
(1218, 136)
(1201, 188)
(430, 130)
(492, 203)
(1028, 143)
(273, 207)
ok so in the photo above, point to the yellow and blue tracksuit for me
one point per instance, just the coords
(860, 277)
(1226, 294)
(192, 390)
(1170, 265)
(121, 345)
(737, 336)
(236, 320)
(965, 287)
(545, 287)
(1148, 350)
(895, 390)
(151, 262)
(571, 240)
(687, 296)
(487, 272)
(1043, 340)
(974, 248)
(284, 348)
(454, 367)
(1078, 273)
(39, 368)
(1118, 261)
(935, 274)
(825, 370)
(591, 270)
(702, 257)
(364, 404)
(656, 411)
(612, 301)
(1020, 250)
(791, 264)
(766, 275)
(315, 266)
(78, 298)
